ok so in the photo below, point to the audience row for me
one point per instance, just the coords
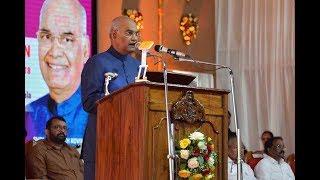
(267, 164)
(54, 159)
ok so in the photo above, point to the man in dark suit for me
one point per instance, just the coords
(124, 36)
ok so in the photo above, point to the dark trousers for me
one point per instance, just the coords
(89, 170)
(89, 148)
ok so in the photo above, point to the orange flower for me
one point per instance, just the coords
(189, 26)
(184, 173)
(197, 176)
(212, 147)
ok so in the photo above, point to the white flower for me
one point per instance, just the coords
(193, 163)
(184, 154)
(202, 145)
(196, 136)
(210, 161)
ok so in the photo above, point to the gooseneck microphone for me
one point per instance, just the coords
(175, 53)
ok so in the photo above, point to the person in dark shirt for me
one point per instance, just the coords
(124, 36)
(230, 133)
(52, 158)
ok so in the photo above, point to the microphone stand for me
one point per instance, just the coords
(170, 126)
(239, 162)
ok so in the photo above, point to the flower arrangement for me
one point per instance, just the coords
(135, 15)
(197, 158)
(189, 27)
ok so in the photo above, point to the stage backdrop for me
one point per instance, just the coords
(35, 86)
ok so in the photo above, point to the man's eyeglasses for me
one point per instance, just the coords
(279, 147)
(57, 127)
(66, 41)
(129, 34)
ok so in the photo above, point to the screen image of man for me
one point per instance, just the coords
(52, 158)
(123, 36)
(63, 49)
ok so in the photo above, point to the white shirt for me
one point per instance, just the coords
(247, 172)
(269, 169)
(258, 155)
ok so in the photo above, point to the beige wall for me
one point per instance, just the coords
(202, 48)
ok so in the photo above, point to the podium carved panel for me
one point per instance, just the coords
(132, 133)
(188, 109)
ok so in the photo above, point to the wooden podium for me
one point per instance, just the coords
(132, 133)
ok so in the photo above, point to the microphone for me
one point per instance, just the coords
(110, 75)
(175, 53)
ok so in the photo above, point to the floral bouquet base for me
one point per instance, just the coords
(197, 158)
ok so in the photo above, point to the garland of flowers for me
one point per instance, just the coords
(197, 158)
(189, 27)
(134, 15)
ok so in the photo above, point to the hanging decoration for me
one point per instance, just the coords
(134, 15)
(189, 27)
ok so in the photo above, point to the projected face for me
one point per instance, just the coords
(63, 47)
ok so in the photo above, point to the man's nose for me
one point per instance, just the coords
(135, 37)
(56, 49)
(61, 130)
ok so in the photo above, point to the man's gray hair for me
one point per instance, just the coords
(76, 3)
(116, 23)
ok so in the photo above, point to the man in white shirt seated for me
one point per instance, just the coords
(247, 172)
(273, 166)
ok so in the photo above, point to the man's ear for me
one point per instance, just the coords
(86, 49)
(47, 132)
(268, 149)
(114, 34)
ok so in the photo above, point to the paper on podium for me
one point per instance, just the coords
(172, 77)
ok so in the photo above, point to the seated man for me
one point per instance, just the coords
(273, 166)
(247, 172)
(52, 158)
(265, 136)
(229, 122)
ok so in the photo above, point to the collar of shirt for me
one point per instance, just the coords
(273, 161)
(116, 54)
(66, 106)
(54, 146)
(258, 155)
(232, 162)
